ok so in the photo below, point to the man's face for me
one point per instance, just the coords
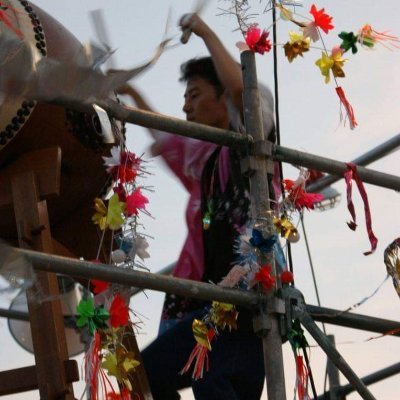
(203, 105)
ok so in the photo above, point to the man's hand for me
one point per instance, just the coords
(193, 23)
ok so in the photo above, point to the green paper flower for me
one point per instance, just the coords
(94, 318)
(349, 41)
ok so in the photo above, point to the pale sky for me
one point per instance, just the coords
(309, 113)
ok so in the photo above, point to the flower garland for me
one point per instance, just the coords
(330, 63)
(105, 315)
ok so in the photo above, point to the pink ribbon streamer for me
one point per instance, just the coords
(350, 174)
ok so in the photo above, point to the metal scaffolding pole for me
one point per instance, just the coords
(334, 167)
(184, 287)
(335, 356)
(259, 200)
(368, 380)
(229, 138)
(369, 157)
(355, 321)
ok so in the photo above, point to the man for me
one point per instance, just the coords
(217, 208)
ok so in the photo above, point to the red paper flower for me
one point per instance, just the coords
(135, 202)
(121, 192)
(119, 312)
(265, 278)
(128, 167)
(257, 40)
(321, 19)
(287, 277)
(99, 286)
(299, 197)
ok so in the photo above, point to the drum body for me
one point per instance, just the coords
(26, 126)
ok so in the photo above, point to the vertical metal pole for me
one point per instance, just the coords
(333, 375)
(259, 195)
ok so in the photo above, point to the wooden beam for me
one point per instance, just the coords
(42, 163)
(24, 379)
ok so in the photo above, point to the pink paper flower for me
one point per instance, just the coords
(135, 202)
(257, 40)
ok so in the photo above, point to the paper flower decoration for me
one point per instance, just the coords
(199, 355)
(285, 227)
(257, 40)
(367, 36)
(333, 63)
(140, 248)
(223, 314)
(99, 286)
(321, 21)
(298, 197)
(286, 277)
(349, 41)
(119, 364)
(94, 318)
(325, 64)
(119, 312)
(121, 192)
(296, 46)
(122, 165)
(115, 212)
(265, 278)
(100, 216)
(135, 202)
(265, 245)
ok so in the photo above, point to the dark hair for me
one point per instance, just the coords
(202, 68)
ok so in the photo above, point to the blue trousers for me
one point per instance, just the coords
(236, 365)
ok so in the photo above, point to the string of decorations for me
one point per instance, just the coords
(311, 30)
(105, 314)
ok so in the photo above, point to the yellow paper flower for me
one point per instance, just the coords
(100, 216)
(325, 64)
(200, 333)
(115, 212)
(120, 364)
(338, 62)
(296, 46)
(223, 314)
(333, 62)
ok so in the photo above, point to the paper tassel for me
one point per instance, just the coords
(199, 356)
(350, 174)
(301, 378)
(347, 106)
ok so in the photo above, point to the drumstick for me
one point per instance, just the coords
(197, 10)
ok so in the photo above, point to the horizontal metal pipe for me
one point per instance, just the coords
(14, 314)
(127, 277)
(372, 378)
(368, 380)
(334, 167)
(367, 158)
(355, 321)
(229, 138)
(161, 122)
(200, 290)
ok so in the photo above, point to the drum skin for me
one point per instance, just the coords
(83, 176)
